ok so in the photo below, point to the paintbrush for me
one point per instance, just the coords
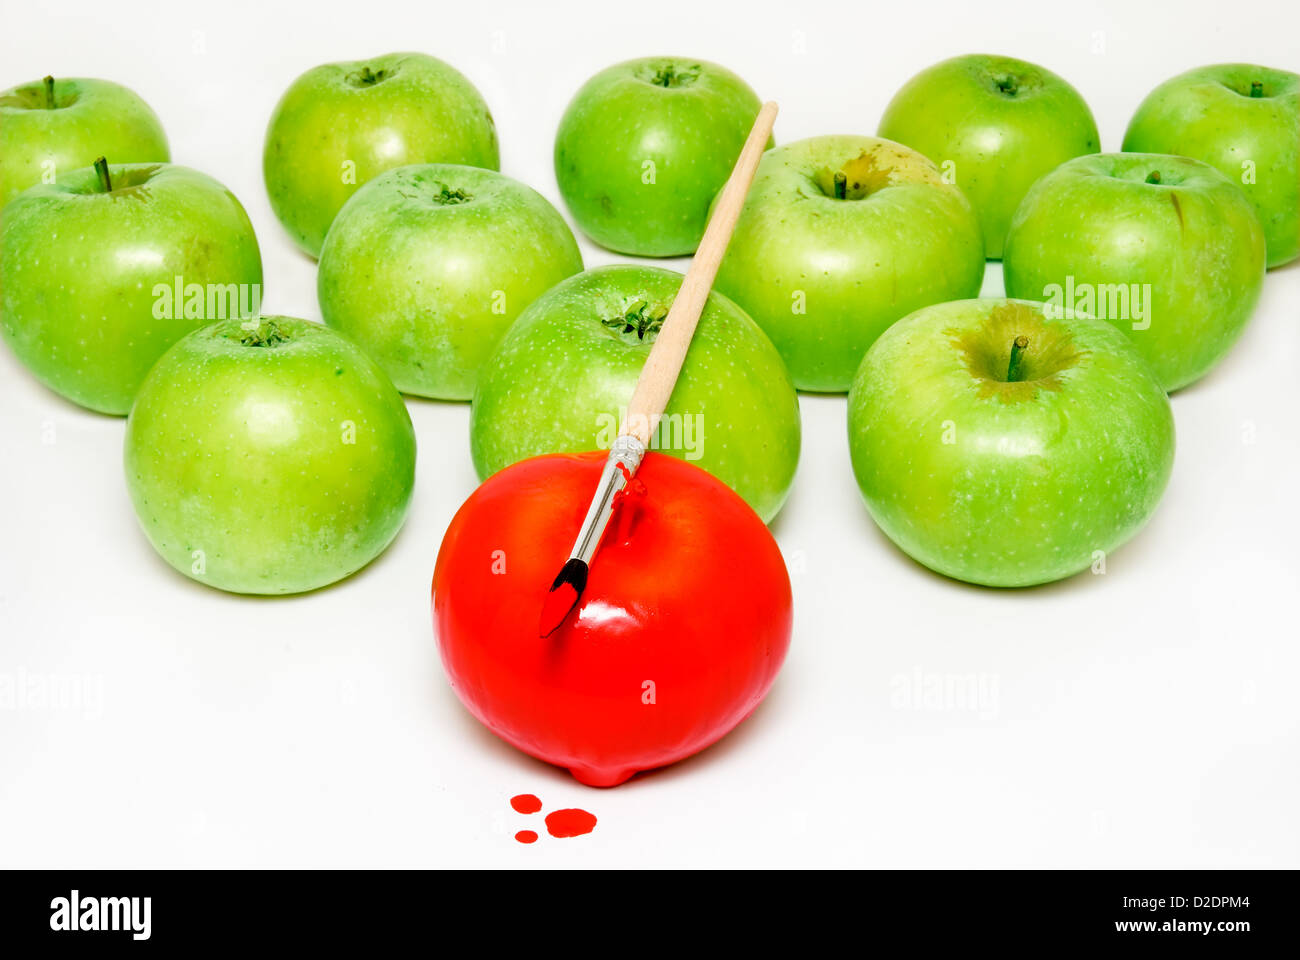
(658, 377)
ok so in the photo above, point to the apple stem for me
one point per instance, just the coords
(1256, 88)
(841, 185)
(101, 168)
(262, 332)
(49, 93)
(1153, 176)
(1018, 348)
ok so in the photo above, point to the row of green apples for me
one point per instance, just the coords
(293, 467)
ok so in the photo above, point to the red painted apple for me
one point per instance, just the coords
(679, 634)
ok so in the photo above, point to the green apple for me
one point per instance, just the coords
(645, 145)
(341, 124)
(839, 237)
(1002, 446)
(564, 374)
(1243, 120)
(427, 266)
(104, 270)
(269, 455)
(994, 125)
(1165, 248)
(49, 127)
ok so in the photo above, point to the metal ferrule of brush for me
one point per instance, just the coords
(627, 451)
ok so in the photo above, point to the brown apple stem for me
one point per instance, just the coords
(841, 185)
(1018, 348)
(49, 93)
(1153, 176)
(1256, 88)
(105, 182)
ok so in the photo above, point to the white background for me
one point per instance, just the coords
(1147, 717)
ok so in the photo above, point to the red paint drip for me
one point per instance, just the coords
(632, 486)
(570, 823)
(626, 503)
(526, 836)
(526, 803)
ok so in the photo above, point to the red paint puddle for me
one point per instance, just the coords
(569, 823)
(526, 803)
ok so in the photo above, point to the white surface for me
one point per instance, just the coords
(1147, 717)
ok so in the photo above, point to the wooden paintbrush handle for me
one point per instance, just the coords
(659, 375)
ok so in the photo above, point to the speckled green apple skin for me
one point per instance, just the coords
(1007, 484)
(333, 130)
(1208, 114)
(675, 121)
(853, 266)
(1000, 122)
(242, 452)
(427, 266)
(78, 268)
(1194, 237)
(90, 119)
(562, 379)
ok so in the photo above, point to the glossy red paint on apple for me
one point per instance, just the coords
(678, 636)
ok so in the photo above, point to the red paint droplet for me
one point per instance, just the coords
(525, 803)
(526, 836)
(570, 823)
